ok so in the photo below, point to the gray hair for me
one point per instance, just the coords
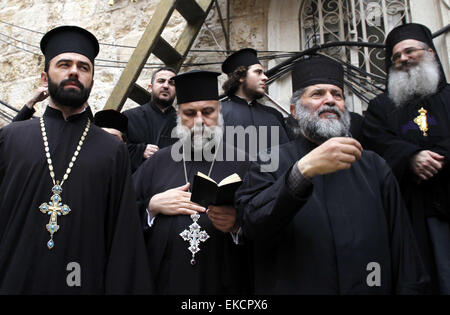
(295, 98)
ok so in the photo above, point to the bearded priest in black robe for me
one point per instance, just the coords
(68, 217)
(409, 125)
(330, 219)
(215, 264)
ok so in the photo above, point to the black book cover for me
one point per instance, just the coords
(206, 191)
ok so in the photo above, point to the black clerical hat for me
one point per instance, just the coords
(407, 31)
(110, 118)
(244, 57)
(72, 39)
(196, 85)
(317, 70)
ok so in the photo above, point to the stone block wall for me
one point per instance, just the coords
(23, 22)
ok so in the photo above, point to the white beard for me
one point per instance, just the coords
(319, 130)
(200, 137)
(420, 80)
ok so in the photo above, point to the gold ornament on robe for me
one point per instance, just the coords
(421, 121)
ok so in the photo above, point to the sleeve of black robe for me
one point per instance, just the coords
(408, 270)
(24, 114)
(265, 203)
(135, 133)
(127, 270)
(383, 139)
(443, 147)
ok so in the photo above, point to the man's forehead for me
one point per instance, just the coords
(164, 74)
(323, 87)
(199, 105)
(71, 56)
(255, 67)
(406, 43)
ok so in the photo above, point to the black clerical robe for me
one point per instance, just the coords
(147, 124)
(24, 113)
(27, 113)
(391, 132)
(221, 265)
(328, 239)
(237, 112)
(99, 243)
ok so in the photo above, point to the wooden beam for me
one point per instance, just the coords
(140, 55)
(165, 52)
(140, 95)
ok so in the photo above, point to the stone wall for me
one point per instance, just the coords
(23, 22)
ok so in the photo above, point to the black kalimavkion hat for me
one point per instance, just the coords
(110, 118)
(67, 38)
(196, 85)
(244, 57)
(317, 70)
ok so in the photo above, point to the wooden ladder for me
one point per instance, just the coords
(194, 12)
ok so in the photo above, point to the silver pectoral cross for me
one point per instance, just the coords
(54, 208)
(194, 236)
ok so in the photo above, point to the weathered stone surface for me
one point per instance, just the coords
(121, 24)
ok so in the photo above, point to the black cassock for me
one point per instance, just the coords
(392, 133)
(237, 112)
(148, 125)
(332, 239)
(101, 234)
(221, 266)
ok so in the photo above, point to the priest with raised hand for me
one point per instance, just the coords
(330, 219)
(68, 217)
(192, 248)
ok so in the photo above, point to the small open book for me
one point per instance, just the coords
(207, 192)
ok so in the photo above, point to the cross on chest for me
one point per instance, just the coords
(194, 236)
(54, 209)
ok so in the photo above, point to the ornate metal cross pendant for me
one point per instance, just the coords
(54, 208)
(194, 236)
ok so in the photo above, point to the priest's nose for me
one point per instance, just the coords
(73, 70)
(330, 99)
(198, 120)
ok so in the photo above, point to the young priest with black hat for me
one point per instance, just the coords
(331, 219)
(409, 125)
(68, 217)
(191, 247)
(245, 85)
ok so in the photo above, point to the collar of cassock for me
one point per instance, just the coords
(155, 107)
(240, 100)
(57, 114)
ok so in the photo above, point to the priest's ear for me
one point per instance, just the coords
(150, 88)
(44, 79)
(293, 110)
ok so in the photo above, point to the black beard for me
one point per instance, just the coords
(163, 103)
(71, 97)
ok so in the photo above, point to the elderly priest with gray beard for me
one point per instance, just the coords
(409, 125)
(191, 247)
(330, 220)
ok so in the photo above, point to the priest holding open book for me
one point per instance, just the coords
(187, 194)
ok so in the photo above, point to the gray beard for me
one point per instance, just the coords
(200, 137)
(320, 130)
(420, 80)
